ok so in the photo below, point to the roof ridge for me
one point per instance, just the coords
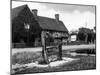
(49, 18)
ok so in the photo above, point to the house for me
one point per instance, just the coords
(73, 36)
(27, 27)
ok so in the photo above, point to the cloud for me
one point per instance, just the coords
(69, 7)
(77, 19)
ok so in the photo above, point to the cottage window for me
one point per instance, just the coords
(27, 26)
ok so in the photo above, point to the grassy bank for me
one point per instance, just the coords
(84, 63)
(25, 57)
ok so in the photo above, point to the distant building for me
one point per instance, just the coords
(73, 35)
(27, 27)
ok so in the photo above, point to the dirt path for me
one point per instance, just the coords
(69, 47)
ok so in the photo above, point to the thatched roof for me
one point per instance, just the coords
(51, 24)
(16, 11)
(44, 22)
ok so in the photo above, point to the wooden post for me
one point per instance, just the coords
(86, 38)
(60, 50)
(44, 52)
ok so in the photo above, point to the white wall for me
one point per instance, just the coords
(73, 37)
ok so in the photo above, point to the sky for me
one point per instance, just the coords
(73, 16)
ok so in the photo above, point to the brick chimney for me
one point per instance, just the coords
(57, 17)
(35, 12)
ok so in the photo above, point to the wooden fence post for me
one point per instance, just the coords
(60, 50)
(44, 52)
(86, 37)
